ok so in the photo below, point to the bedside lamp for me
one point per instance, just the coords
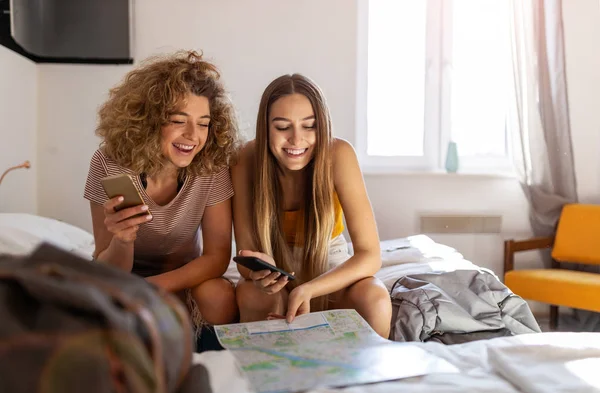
(26, 165)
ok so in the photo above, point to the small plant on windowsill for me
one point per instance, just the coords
(25, 165)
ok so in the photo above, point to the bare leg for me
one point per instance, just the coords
(255, 305)
(216, 301)
(371, 299)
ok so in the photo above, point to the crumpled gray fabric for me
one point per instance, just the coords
(457, 306)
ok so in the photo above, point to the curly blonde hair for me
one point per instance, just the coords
(131, 119)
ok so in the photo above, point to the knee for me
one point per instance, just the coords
(250, 298)
(215, 290)
(247, 296)
(215, 299)
(371, 296)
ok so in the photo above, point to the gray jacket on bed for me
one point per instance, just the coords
(457, 306)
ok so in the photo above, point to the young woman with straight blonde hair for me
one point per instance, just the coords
(294, 185)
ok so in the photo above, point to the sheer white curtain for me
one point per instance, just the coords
(539, 113)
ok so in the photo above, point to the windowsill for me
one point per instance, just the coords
(464, 174)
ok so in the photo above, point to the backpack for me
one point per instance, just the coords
(71, 325)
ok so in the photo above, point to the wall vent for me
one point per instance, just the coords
(445, 223)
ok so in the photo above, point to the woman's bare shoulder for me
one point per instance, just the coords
(342, 150)
(246, 154)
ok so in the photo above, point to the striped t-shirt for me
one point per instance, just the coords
(171, 238)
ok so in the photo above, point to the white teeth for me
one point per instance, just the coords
(295, 152)
(183, 147)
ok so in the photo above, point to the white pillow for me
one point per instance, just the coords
(20, 234)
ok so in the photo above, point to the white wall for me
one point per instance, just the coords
(250, 45)
(582, 45)
(69, 96)
(18, 111)
(254, 42)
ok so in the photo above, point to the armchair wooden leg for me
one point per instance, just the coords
(553, 318)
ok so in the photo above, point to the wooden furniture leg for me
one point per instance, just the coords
(553, 318)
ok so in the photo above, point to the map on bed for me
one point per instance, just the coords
(325, 349)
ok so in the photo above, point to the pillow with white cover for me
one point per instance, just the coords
(21, 233)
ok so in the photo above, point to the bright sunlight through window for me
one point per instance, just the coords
(479, 76)
(437, 71)
(396, 79)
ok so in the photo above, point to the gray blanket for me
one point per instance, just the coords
(455, 307)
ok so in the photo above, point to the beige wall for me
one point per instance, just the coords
(18, 127)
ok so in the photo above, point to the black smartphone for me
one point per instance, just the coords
(256, 264)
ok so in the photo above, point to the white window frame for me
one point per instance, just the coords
(437, 90)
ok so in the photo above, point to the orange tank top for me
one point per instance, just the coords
(292, 223)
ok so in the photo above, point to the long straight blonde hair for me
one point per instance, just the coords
(318, 194)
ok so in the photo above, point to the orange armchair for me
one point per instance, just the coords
(577, 240)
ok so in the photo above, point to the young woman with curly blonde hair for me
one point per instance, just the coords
(171, 127)
(294, 186)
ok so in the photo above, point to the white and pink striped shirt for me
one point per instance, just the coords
(171, 238)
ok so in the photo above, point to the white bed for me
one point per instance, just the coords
(543, 362)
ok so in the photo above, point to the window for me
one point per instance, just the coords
(435, 71)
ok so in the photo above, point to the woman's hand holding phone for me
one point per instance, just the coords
(267, 281)
(124, 224)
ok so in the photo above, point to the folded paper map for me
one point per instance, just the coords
(324, 349)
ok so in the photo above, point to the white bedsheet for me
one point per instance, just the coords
(541, 362)
(389, 274)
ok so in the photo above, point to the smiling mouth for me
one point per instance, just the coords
(295, 152)
(183, 148)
